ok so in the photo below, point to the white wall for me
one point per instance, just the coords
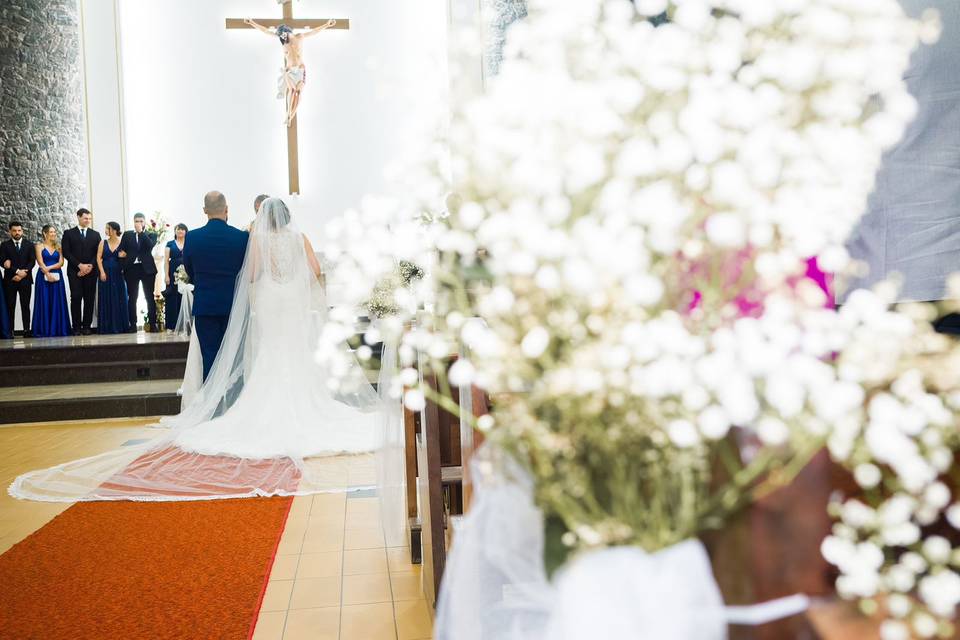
(201, 111)
(103, 110)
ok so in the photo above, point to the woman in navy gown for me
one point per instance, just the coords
(6, 331)
(51, 315)
(112, 302)
(173, 256)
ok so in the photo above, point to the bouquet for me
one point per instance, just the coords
(157, 228)
(624, 254)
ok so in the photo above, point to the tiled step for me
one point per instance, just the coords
(48, 403)
(109, 371)
(93, 350)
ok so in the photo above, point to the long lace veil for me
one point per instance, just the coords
(267, 421)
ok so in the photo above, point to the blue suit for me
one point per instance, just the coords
(213, 256)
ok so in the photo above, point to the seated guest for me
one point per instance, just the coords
(173, 259)
(50, 315)
(112, 303)
(18, 257)
(136, 249)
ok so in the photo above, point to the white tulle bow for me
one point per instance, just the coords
(495, 586)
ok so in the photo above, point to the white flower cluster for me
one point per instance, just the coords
(899, 447)
(632, 209)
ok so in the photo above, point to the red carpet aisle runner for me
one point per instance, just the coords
(143, 570)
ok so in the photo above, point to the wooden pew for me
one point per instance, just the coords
(411, 427)
(430, 483)
(773, 550)
(444, 443)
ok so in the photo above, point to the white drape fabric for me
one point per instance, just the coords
(390, 458)
(495, 586)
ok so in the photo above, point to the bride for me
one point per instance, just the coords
(268, 420)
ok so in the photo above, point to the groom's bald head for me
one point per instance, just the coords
(215, 205)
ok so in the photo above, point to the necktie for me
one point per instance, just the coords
(18, 246)
(83, 233)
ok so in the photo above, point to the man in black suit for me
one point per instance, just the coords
(139, 269)
(80, 246)
(18, 259)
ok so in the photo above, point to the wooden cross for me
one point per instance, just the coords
(293, 163)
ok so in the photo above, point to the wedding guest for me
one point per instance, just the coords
(139, 269)
(912, 224)
(18, 258)
(173, 260)
(112, 302)
(256, 208)
(80, 246)
(50, 317)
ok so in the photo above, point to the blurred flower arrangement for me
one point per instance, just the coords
(624, 256)
(157, 228)
(383, 301)
(161, 303)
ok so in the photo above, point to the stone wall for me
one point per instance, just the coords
(42, 146)
(500, 15)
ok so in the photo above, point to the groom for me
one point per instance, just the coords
(213, 256)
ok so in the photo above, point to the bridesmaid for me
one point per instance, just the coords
(173, 258)
(51, 317)
(112, 302)
(6, 331)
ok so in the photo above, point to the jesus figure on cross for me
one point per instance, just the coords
(294, 74)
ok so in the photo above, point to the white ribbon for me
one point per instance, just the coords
(495, 586)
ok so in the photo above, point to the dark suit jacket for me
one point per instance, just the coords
(213, 256)
(78, 250)
(143, 250)
(26, 258)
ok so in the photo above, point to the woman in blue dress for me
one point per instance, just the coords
(173, 257)
(112, 302)
(6, 331)
(51, 317)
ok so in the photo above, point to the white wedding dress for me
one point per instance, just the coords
(267, 421)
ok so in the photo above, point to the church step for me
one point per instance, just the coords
(50, 403)
(95, 350)
(108, 371)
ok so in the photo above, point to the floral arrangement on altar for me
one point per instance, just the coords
(383, 301)
(161, 304)
(624, 257)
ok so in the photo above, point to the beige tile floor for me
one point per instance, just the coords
(333, 578)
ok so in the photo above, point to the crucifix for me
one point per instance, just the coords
(294, 73)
